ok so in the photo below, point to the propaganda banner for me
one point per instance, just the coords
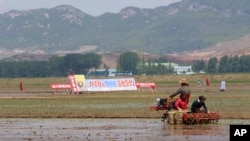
(111, 84)
(60, 86)
(146, 85)
(80, 83)
(72, 83)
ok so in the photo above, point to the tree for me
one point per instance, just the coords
(223, 65)
(72, 63)
(235, 64)
(128, 62)
(244, 63)
(56, 66)
(141, 66)
(90, 60)
(198, 65)
(81, 63)
(212, 65)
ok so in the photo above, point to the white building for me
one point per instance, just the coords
(183, 70)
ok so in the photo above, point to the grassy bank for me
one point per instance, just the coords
(37, 100)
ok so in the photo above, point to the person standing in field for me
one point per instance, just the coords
(183, 90)
(207, 82)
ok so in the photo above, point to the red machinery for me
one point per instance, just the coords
(200, 118)
(187, 117)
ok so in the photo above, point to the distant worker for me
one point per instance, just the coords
(207, 82)
(198, 104)
(183, 90)
(180, 103)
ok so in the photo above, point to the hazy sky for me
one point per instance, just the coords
(92, 7)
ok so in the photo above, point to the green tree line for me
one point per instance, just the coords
(128, 62)
(80, 64)
(226, 64)
(55, 67)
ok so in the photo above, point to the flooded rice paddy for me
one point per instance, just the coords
(13, 129)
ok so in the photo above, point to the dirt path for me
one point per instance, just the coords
(111, 130)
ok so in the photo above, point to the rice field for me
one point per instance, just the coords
(37, 100)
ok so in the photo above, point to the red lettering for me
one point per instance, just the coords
(125, 83)
(60, 86)
(96, 83)
(146, 85)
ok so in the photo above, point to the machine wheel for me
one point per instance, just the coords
(165, 117)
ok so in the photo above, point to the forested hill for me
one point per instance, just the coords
(178, 28)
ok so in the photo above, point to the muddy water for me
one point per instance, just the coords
(111, 130)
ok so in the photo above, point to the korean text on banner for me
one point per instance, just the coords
(60, 86)
(111, 84)
(146, 85)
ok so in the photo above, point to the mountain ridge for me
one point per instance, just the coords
(182, 27)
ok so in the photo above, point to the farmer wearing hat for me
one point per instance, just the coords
(183, 90)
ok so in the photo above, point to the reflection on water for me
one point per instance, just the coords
(200, 129)
(112, 129)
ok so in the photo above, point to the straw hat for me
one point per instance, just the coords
(183, 81)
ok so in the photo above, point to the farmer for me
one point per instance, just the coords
(183, 90)
(181, 104)
(198, 104)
